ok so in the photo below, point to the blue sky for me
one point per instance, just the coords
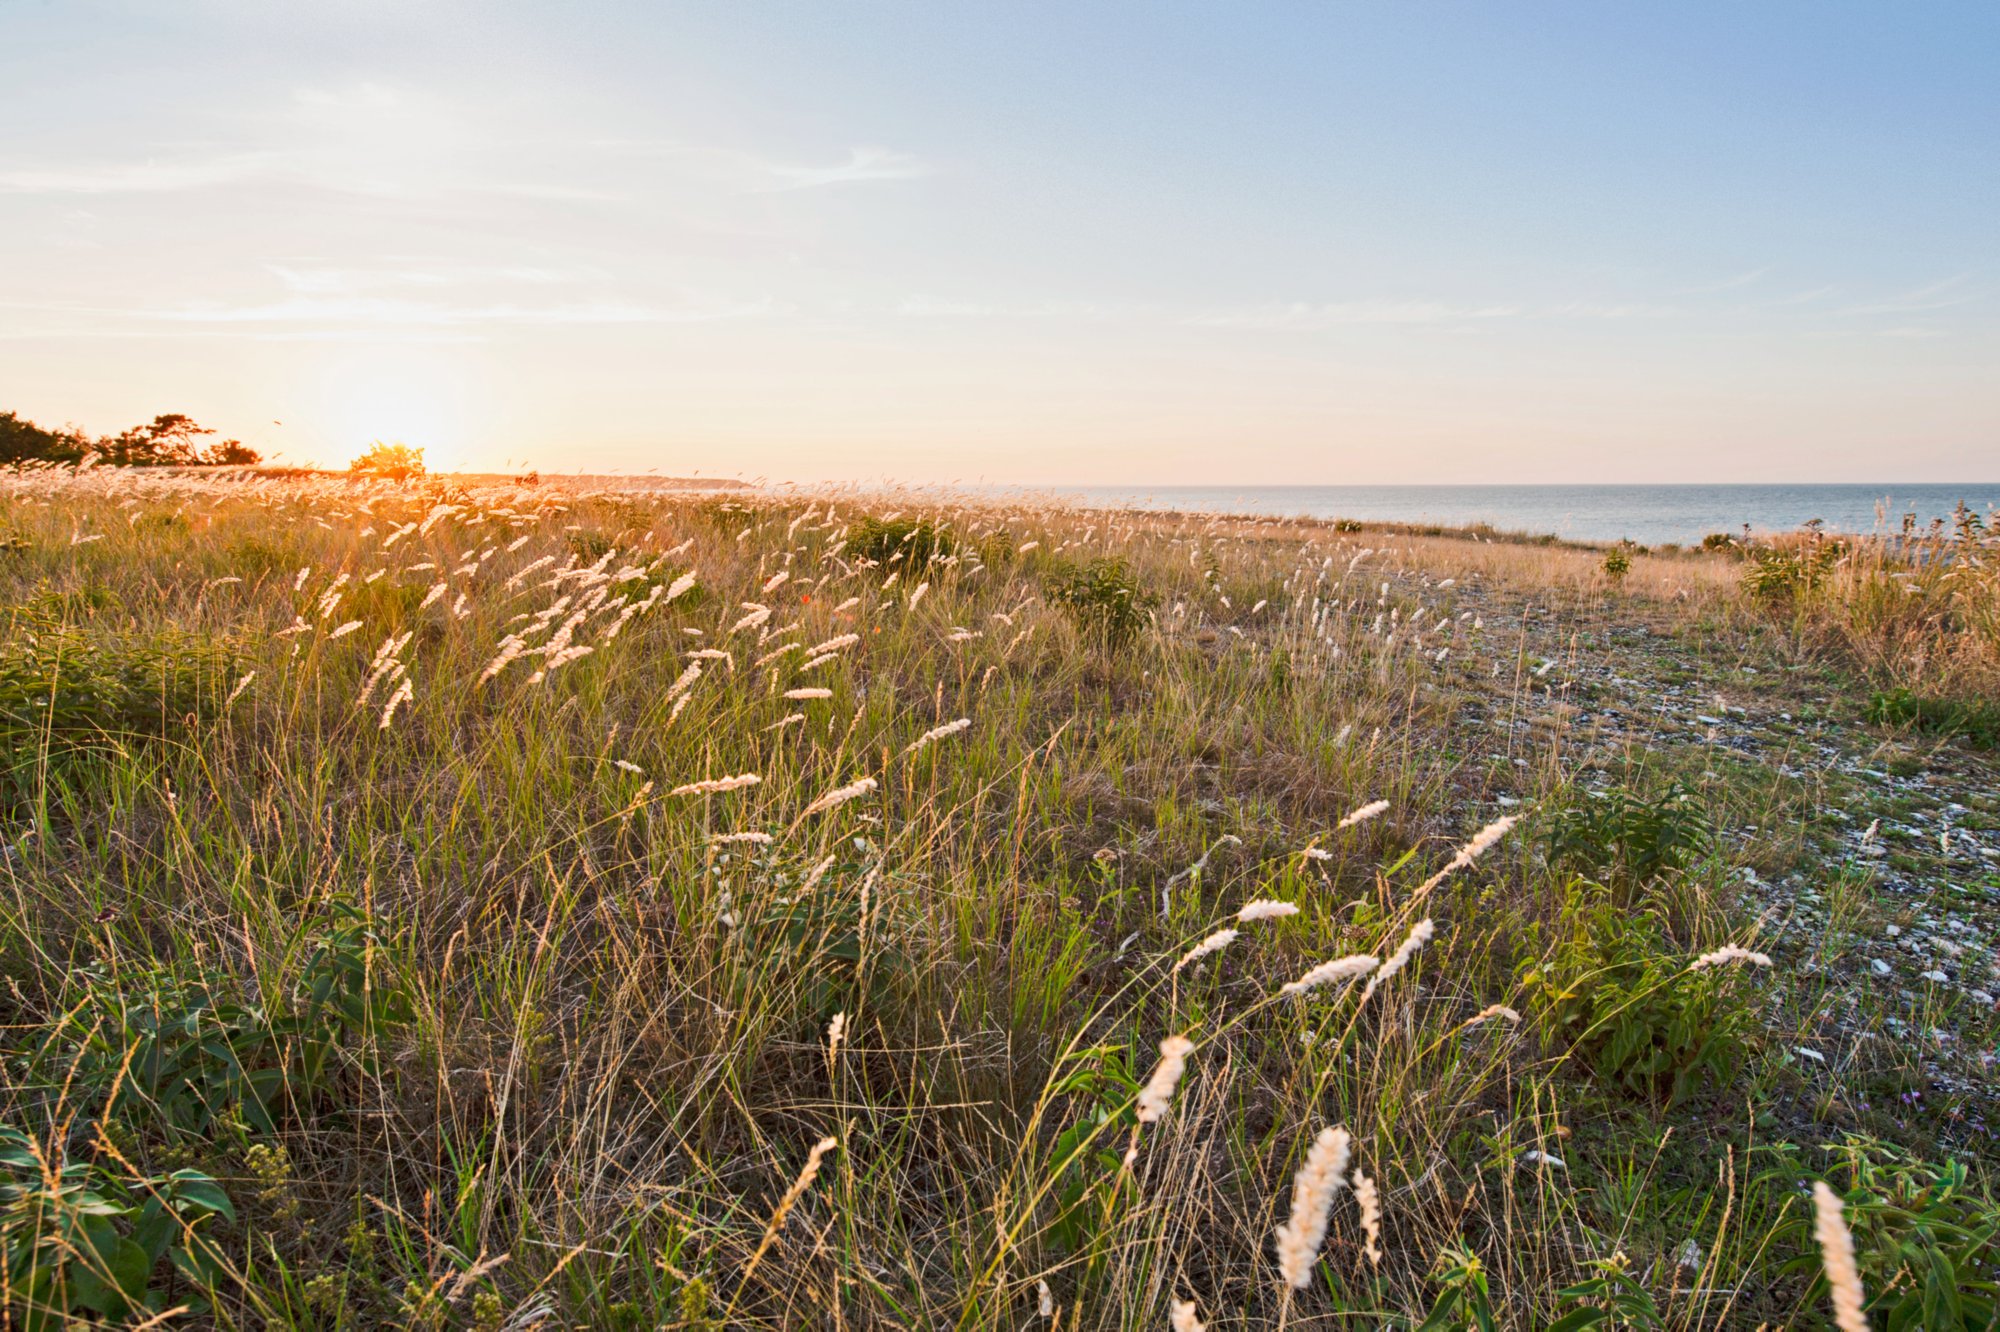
(1049, 243)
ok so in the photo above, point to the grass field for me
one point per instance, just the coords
(478, 905)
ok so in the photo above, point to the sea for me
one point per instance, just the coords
(1648, 515)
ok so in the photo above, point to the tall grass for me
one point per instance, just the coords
(733, 926)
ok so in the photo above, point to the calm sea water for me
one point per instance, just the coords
(1651, 515)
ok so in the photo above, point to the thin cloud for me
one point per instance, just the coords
(1728, 283)
(388, 312)
(151, 176)
(1305, 317)
(1940, 295)
(864, 163)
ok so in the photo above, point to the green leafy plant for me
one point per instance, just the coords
(1629, 1006)
(1104, 599)
(78, 1240)
(1976, 721)
(1612, 1298)
(1617, 563)
(906, 542)
(1926, 1240)
(389, 462)
(1092, 1183)
(72, 691)
(1784, 573)
(1464, 1302)
(187, 1053)
(1626, 838)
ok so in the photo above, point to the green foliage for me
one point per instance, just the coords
(79, 1241)
(1617, 563)
(1092, 1185)
(188, 1053)
(72, 692)
(171, 440)
(1721, 543)
(589, 544)
(1783, 574)
(907, 542)
(1612, 1298)
(1623, 999)
(1464, 1303)
(22, 441)
(389, 462)
(1104, 599)
(1627, 839)
(1927, 1241)
(1976, 721)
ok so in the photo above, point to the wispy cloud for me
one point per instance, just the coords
(1306, 317)
(1728, 283)
(1940, 295)
(864, 163)
(391, 312)
(148, 176)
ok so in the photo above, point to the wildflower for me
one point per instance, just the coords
(1264, 908)
(840, 795)
(716, 785)
(1158, 1092)
(1836, 1247)
(1419, 935)
(1370, 1201)
(1339, 969)
(1313, 1192)
(1731, 953)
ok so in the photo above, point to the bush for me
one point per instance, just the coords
(1786, 573)
(70, 692)
(912, 542)
(1623, 999)
(389, 462)
(1926, 1241)
(1628, 840)
(1617, 563)
(78, 1241)
(1974, 720)
(188, 1053)
(1104, 600)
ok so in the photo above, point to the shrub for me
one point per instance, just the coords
(1785, 573)
(1621, 998)
(189, 1052)
(1626, 839)
(389, 462)
(71, 692)
(1104, 600)
(1974, 720)
(1926, 1241)
(1617, 563)
(78, 1241)
(908, 541)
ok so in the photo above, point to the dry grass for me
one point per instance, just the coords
(497, 722)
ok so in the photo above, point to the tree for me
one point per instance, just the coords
(389, 462)
(172, 440)
(22, 441)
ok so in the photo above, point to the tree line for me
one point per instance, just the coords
(173, 440)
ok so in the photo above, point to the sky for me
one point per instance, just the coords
(1048, 243)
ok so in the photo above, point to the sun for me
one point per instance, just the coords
(409, 400)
